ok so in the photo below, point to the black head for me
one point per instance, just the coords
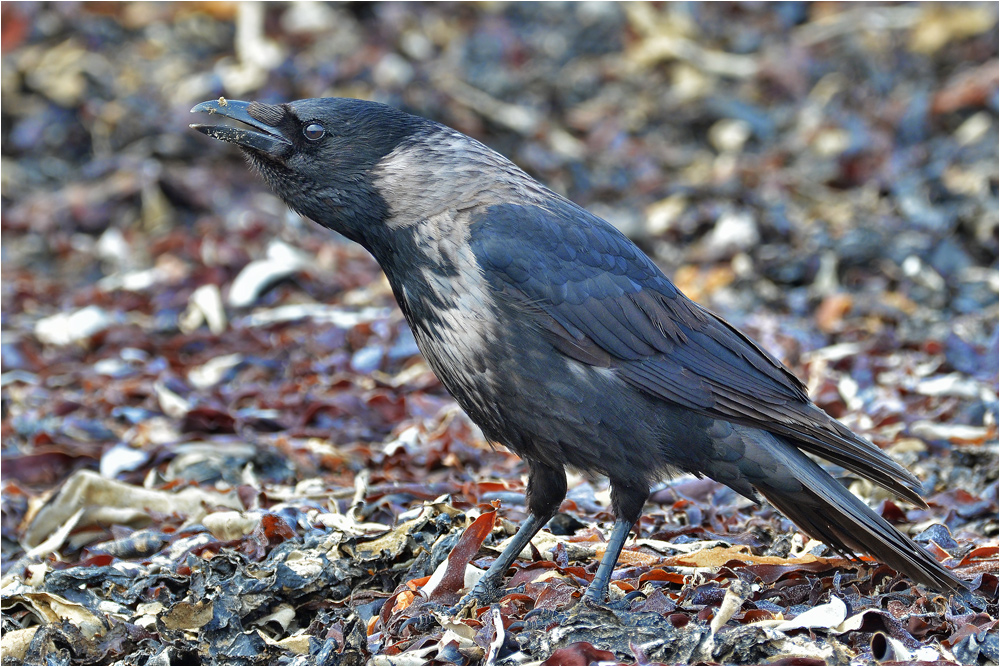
(317, 154)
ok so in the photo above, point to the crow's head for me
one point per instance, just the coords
(318, 154)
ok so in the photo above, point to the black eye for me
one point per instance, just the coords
(314, 131)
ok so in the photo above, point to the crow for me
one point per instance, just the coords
(560, 338)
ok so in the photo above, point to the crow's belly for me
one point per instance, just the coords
(542, 405)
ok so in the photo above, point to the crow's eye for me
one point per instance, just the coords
(314, 131)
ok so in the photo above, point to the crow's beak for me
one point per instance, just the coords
(262, 137)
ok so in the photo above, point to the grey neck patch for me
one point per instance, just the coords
(459, 173)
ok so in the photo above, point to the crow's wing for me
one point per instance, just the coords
(603, 302)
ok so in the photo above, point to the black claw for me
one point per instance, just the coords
(634, 595)
(624, 604)
(426, 617)
(419, 624)
(531, 614)
(488, 594)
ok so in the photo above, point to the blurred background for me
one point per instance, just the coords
(823, 175)
(782, 155)
(817, 173)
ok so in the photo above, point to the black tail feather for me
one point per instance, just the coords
(824, 509)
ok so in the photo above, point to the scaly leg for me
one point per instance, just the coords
(627, 499)
(546, 490)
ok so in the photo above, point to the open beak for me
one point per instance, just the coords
(258, 136)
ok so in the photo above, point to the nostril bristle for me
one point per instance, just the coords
(271, 114)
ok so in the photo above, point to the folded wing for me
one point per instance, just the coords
(603, 302)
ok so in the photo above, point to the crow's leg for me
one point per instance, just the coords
(627, 499)
(546, 490)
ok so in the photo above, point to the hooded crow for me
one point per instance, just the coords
(560, 338)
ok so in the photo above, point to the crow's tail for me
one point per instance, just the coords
(821, 506)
